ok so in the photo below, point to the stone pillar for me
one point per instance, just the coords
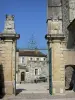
(58, 69)
(56, 42)
(60, 14)
(9, 67)
(8, 59)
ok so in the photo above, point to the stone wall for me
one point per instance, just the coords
(42, 71)
(69, 57)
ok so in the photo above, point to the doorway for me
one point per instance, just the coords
(69, 77)
(22, 76)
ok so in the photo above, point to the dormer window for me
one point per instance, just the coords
(37, 58)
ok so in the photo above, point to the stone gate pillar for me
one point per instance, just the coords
(8, 54)
(59, 17)
(57, 20)
(56, 43)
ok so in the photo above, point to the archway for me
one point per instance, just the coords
(69, 77)
(22, 76)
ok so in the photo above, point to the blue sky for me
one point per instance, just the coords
(30, 18)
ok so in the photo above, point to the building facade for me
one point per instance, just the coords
(32, 64)
(61, 44)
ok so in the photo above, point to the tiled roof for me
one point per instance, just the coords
(32, 53)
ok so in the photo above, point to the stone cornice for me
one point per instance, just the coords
(9, 36)
(53, 19)
(55, 36)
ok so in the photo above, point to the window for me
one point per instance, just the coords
(37, 58)
(22, 76)
(36, 71)
(30, 58)
(44, 59)
(22, 59)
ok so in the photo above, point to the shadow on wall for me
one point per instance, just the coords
(2, 86)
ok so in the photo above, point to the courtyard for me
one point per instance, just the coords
(32, 88)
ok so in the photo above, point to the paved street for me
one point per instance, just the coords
(39, 96)
(33, 88)
(38, 92)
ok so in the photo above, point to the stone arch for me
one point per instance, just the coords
(22, 76)
(69, 77)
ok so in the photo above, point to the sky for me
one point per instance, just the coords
(30, 19)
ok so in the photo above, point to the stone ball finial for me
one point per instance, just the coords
(9, 17)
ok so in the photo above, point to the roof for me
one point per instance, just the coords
(32, 53)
